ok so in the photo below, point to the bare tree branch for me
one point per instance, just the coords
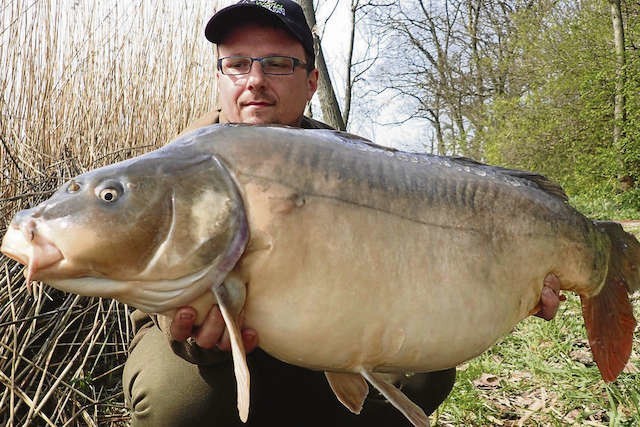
(328, 100)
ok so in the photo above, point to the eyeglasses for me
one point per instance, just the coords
(275, 65)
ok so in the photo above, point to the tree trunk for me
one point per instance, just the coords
(619, 113)
(328, 101)
(348, 82)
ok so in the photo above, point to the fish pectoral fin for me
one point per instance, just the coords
(238, 352)
(397, 398)
(350, 389)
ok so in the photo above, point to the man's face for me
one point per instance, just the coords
(257, 98)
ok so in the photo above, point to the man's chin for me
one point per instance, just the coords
(270, 120)
(260, 118)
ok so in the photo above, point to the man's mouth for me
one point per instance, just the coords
(257, 104)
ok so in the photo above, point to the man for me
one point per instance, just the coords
(266, 75)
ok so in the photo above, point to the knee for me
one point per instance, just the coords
(140, 398)
(147, 383)
(154, 402)
(161, 389)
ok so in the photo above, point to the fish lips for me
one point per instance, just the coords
(30, 249)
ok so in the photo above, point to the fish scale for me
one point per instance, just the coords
(344, 256)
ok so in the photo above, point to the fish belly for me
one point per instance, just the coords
(339, 286)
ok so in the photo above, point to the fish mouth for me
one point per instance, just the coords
(23, 244)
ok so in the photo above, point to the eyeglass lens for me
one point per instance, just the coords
(279, 65)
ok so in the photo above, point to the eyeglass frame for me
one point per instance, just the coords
(296, 63)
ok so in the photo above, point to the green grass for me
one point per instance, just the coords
(619, 207)
(543, 375)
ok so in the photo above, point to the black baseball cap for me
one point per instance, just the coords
(286, 12)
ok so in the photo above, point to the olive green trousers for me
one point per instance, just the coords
(162, 389)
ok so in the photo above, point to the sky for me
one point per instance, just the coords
(333, 21)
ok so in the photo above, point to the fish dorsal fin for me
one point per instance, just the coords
(544, 183)
(350, 389)
(228, 295)
(540, 181)
(413, 412)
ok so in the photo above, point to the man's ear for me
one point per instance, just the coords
(312, 83)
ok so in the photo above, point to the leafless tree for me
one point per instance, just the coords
(328, 100)
(448, 59)
(426, 62)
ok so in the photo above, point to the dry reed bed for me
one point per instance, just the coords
(82, 83)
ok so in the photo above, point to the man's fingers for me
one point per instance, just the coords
(552, 281)
(550, 303)
(182, 324)
(211, 333)
(225, 341)
(550, 297)
(249, 339)
(211, 330)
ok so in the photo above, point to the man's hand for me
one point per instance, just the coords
(211, 333)
(550, 297)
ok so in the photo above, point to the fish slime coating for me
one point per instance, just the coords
(345, 256)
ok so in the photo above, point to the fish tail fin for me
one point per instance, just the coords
(608, 316)
(609, 320)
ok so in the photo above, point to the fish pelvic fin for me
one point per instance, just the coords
(608, 316)
(240, 368)
(350, 389)
(397, 398)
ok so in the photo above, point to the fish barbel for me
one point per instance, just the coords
(344, 256)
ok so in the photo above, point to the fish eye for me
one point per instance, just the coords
(109, 194)
(73, 187)
(109, 191)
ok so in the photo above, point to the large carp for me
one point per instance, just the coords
(353, 258)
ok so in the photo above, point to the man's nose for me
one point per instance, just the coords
(255, 78)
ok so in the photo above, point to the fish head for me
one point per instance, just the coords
(143, 231)
(94, 225)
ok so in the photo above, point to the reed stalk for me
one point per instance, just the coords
(83, 83)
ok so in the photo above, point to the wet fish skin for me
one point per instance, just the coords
(394, 261)
(162, 226)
